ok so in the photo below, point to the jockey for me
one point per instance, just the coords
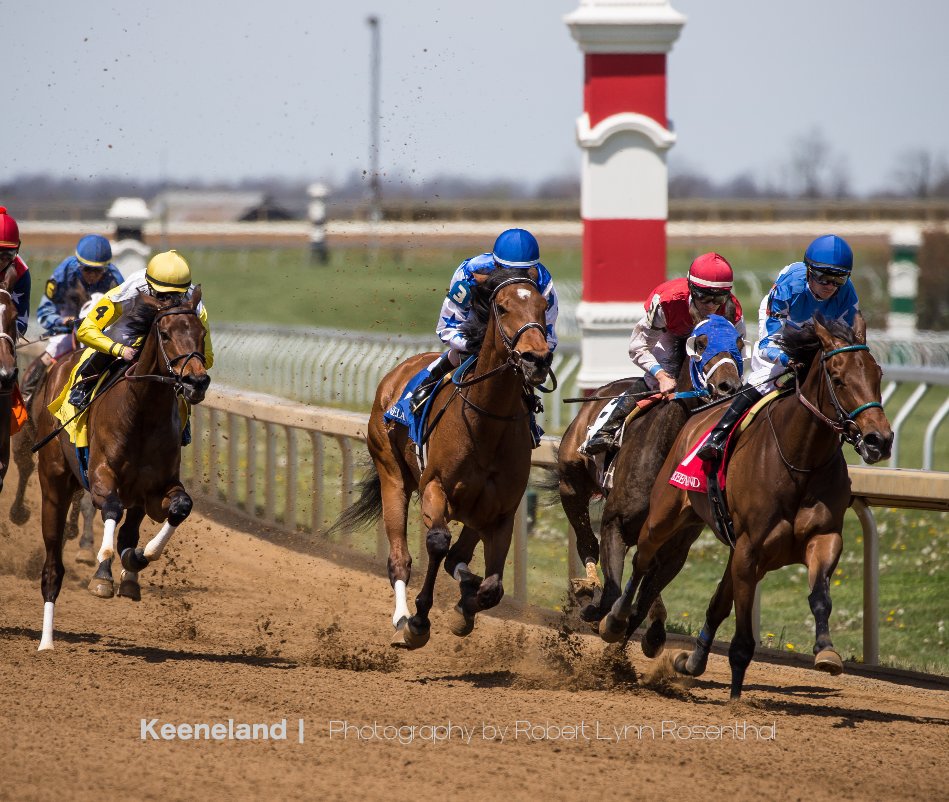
(107, 328)
(10, 260)
(819, 285)
(515, 248)
(673, 310)
(78, 277)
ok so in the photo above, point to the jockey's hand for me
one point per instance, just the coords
(68, 321)
(128, 354)
(667, 384)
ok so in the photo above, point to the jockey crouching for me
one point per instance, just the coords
(672, 311)
(514, 248)
(819, 284)
(109, 327)
(79, 277)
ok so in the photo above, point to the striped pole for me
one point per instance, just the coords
(624, 134)
(903, 278)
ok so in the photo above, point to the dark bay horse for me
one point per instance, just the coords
(787, 490)
(22, 443)
(8, 369)
(134, 449)
(646, 442)
(478, 458)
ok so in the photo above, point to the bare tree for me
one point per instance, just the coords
(810, 166)
(919, 172)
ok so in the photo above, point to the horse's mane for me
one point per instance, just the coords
(802, 344)
(475, 327)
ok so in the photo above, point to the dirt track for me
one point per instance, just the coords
(232, 626)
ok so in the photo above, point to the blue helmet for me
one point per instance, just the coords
(829, 254)
(94, 251)
(516, 248)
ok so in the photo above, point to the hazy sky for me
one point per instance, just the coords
(238, 89)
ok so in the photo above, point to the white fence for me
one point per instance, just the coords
(237, 431)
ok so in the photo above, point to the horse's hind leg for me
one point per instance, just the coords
(576, 490)
(613, 551)
(437, 541)
(72, 519)
(131, 565)
(86, 553)
(821, 555)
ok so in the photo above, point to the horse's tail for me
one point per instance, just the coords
(364, 510)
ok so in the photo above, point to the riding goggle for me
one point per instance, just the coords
(829, 279)
(706, 296)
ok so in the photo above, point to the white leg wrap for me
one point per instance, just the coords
(108, 540)
(458, 569)
(46, 641)
(157, 544)
(401, 604)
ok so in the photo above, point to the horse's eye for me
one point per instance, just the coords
(164, 336)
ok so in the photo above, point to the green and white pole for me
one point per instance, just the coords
(903, 279)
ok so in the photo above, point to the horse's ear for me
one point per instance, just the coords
(740, 345)
(695, 346)
(534, 274)
(860, 329)
(8, 278)
(695, 315)
(149, 300)
(196, 296)
(480, 278)
(731, 312)
(823, 333)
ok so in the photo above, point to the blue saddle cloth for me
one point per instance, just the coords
(401, 410)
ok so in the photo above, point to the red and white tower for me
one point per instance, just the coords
(624, 198)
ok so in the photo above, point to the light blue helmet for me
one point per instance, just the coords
(516, 247)
(94, 251)
(829, 254)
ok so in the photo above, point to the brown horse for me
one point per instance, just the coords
(787, 491)
(478, 455)
(646, 442)
(134, 449)
(22, 443)
(8, 369)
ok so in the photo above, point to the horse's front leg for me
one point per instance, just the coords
(744, 572)
(497, 543)
(821, 555)
(456, 563)
(437, 542)
(719, 608)
(175, 508)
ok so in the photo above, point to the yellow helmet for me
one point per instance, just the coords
(168, 272)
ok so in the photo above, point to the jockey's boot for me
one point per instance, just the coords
(81, 392)
(605, 438)
(34, 375)
(713, 449)
(424, 390)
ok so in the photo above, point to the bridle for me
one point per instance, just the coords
(173, 377)
(845, 423)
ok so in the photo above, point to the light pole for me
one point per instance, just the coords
(375, 202)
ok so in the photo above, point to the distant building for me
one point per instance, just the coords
(215, 206)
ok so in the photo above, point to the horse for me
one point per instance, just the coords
(8, 368)
(134, 449)
(22, 443)
(646, 441)
(787, 490)
(478, 455)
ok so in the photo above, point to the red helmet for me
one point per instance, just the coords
(9, 230)
(710, 273)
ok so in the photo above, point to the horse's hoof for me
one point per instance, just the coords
(459, 623)
(680, 663)
(103, 588)
(611, 629)
(130, 589)
(828, 660)
(416, 633)
(86, 556)
(584, 588)
(134, 560)
(19, 515)
(654, 639)
(591, 614)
